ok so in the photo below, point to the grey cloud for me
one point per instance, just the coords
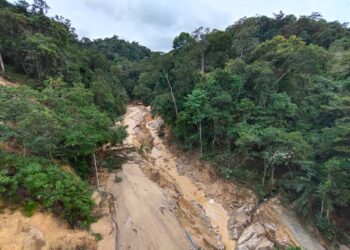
(106, 7)
(154, 23)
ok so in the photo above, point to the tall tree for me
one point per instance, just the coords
(40, 7)
(202, 45)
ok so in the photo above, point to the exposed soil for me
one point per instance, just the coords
(41, 231)
(163, 199)
(168, 199)
(4, 82)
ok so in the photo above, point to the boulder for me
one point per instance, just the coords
(270, 230)
(254, 237)
(265, 244)
(237, 223)
(239, 220)
(34, 239)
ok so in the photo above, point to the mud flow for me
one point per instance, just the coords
(166, 199)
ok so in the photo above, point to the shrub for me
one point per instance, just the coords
(111, 162)
(37, 181)
(326, 227)
(29, 208)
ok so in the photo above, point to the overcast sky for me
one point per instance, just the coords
(154, 23)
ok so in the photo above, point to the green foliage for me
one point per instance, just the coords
(71, 91)
(326, 227)
(294, 248)
(267, 102)
(98, 237)
(43, 48)
(33, 181)
(29, 208)
(111, 162)
(58, 122)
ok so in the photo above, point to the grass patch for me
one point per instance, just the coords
(29, 208)
(98, 237)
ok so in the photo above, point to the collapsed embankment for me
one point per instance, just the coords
(171, 199)
(163, 199)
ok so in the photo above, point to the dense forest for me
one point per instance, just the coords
(70, 92)
(266, 101)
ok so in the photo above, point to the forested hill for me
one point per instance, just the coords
(116, 49)
(43, 48)
(69, 93)
(267, 101)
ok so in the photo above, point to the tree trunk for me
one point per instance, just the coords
(213, 142)
(283, 76)
(97, 180)
(264, 175)
(171, 92)
(23, 66)
(322, 206)
(273, 174)
(200, 138)
(2, 67)
(38, 69)
(202, 63)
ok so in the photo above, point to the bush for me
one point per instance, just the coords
(326, 227)
(37, 181)
(161, 131)
(98, 237)
(29, 208)
(111, 162)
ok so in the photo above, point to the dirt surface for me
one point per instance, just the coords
(297, 231)
(41, 231)
(167, 199)
(4, 82)
(143, 215)
(163, 199)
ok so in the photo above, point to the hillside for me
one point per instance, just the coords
(242, 139)
(267, 102)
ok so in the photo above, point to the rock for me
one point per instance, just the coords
(68, 243)
(343, 247)
(265, 244)
(270, 230)
(208, 175)
(34, 239)
(237, 223)
(254, 237)
(97, 198)
(210, 243)
(212, 190)
(247, 208)
(255, 230)
(239, 220)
